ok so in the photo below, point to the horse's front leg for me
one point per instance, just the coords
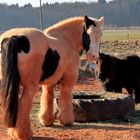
(65, 106)
(22, 130)
(46, 106)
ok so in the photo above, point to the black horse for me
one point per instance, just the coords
(117, 73)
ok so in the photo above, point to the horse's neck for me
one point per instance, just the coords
(71, 32)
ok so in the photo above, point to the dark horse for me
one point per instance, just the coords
(116, 73)
(31, 58)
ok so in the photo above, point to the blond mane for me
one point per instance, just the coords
(65, 22)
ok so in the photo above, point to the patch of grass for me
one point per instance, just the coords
(111, 35)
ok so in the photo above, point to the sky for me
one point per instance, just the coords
(35, 3)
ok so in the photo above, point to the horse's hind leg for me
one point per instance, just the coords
(46, 109)
(65, 106)
(22, 130)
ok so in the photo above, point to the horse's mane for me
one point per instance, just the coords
(65, 22)
(68, 21)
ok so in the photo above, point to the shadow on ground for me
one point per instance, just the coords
(42, 138)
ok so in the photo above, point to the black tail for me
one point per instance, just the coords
(10, 75)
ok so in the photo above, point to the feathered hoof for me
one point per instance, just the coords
(66, 118)
(46, 120)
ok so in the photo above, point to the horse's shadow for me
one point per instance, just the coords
(43, 138)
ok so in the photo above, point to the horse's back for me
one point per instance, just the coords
(36, 37)
(30, 64)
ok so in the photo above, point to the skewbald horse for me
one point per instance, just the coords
(31, 58)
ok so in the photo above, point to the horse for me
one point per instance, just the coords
(31, 58)
(117, 73)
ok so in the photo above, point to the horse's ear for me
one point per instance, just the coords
(101, 21)
(88, 22)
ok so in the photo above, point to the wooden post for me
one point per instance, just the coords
(41, 17)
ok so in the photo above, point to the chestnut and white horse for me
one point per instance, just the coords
(31, 58)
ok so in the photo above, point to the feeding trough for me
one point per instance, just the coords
(89, 108)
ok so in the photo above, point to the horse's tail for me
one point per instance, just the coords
(10, 48)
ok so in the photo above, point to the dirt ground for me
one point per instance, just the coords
(110, 130)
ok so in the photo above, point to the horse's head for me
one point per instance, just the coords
(93, 29)
(103, 67)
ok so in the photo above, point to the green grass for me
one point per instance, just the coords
(111, 35)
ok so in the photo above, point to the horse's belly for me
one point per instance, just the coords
(54, 78)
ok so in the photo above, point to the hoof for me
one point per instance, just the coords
(66, 120)
(46, 121)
